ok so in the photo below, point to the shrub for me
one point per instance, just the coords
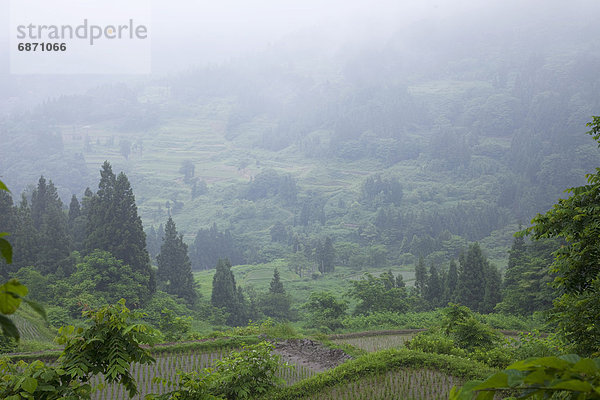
(435, 342)
(467, 332)
(539, 378)
(534, 345)
(249, 373)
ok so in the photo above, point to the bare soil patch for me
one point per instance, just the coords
(310, 354)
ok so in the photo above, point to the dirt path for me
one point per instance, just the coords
(310, 354)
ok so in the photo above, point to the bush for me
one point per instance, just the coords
(497, 357)
(534, 345)
(247, 374)
(380, 363)
(173, 327)
(467, 332)
(435, 342)
(568, 376)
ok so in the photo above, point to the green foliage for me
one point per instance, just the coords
(420, 277)
(539, 378)
(174, 266)
(210, 245)
(106, 279)
(7, 344)
(226, 295)
(533, 344)
(115, 226)
(107, 347)
(379, 191)
(576, 220)
(325, 311)
(11, 295)
(268, 328)
(382, 362)
(246, 374)
(390, 320)
(40, 382)
(276, 286)
(5, 248)
(160, 301)
(51, 224)
(467, 332)
(527, 279)
(174, 327)
(435, 342)
(433, 288)
(479, 282)
(377, 294)
(276, 302)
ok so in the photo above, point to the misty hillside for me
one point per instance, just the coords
(411, 146)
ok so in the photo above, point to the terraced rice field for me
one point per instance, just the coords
(376, 343)
(405, 384)
(168, 364)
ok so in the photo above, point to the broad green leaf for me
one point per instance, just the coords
(498, 380)
(570, 358)
(585, 365)
(8, 327)
(540, 377)
(574, 385)
(4, 187)
(37, 307)
(515, 377)
(464, 393)
(550, 362)
(5, 248)
(485, 395)
(29, 384)
(10, 296)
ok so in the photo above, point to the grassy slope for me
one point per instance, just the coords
(259, 277)
(154, 173)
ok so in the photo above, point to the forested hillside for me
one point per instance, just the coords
(392, 207)
(377, 149)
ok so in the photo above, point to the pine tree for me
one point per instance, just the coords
(225, 292)
(516, 258)
(400, 281)
(77, 224)
(115, 226)
(433, 289)
(276, 285)
(51, 223)
(470, 290)
(420, 277)
(388, 279)
(174, 267)
(326, 255)
(451, 282)
(25, 238)
(8, 223)
(493, 287)
(74, 209)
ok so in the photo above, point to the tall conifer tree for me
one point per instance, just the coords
(174, 267)
(225, 293)
(115, 226)
(276, 286)
(51, 223)
(470, 290)
(451, 282)
(434, 292)
(420, 277)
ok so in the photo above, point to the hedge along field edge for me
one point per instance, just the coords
(382, 362)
